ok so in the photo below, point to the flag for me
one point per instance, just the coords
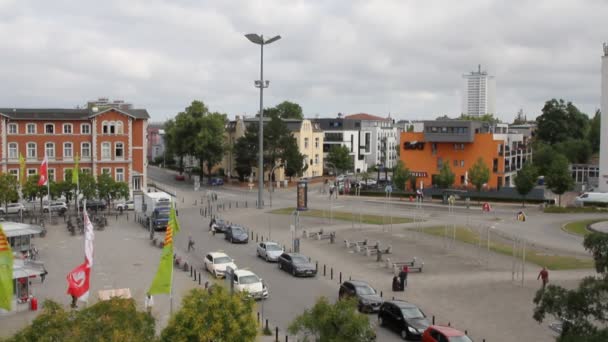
(78, 281)
(44, 175)
(89, 236)
(22, 176)
(75, 170)
(162, 280)
(6, 272)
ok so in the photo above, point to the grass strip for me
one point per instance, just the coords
(580, 227)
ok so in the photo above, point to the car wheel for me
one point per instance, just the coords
(380, 321)
(404, 334)
(267, 259)
(293, 271)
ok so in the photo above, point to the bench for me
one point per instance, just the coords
(356, 244)
(308, 234)
(326, 236)
(414, 265)
(373, 250)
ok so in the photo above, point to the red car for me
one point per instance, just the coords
(180, 177)
(437, 333)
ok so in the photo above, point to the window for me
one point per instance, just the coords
(462, 163)
(105, 150)
(68, 150)
(120, 175)
(316, 142)
(119, 150)
(86, 170)
(305, 142)
(14, 173)
(455, 162)
(31, 128)
(119, 127)
(67, 174)
(50, 150)
(316, 159)
(13, 128)
(13, 152)
(105, 127)
(85, 150)
(31, 150)
(32, 172)
(112, 128)
(67, 128)
(51, 174)
(49, 129)
(85, 128)
(106, 170)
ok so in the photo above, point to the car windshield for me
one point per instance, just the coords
(272, 247)
(249, 279)
(222, 260)
(460, 339)
(219, 221)
(365, 290)
(238, 230)
(412, 313)
(298, 259)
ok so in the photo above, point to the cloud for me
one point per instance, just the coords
(406, 58)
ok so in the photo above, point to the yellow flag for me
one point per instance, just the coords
(75, 170)
(162, 281)
(6, 272)
(21, 169)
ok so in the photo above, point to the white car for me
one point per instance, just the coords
(249, 282)
(216, 263)
(13, 208)
(59, 207)
(270, 251)
(128, 205)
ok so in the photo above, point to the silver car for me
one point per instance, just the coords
(270, 251)
(13, 208)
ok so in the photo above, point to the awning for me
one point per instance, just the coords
(26, 269)
(12, 229)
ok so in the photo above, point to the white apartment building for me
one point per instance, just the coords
(341, 132)
(479, 93)
(384, 139)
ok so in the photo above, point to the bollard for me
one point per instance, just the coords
(286, 338)
(316, 266)
(116, 217)
(229, 205)
(237, 204)
(449, 324)
(258, 317)
(324, 269)
(350, 278)
(433, 319)
(466, 332)
(245, 204)
(381, 294)
(199, 278)
(340, 278)
(331, 274)
(393, 297)
(252, 235)
(191, 270)
(266, 323)
(276, 334)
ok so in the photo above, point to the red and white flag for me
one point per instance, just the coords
(89, 236)
(44, 173)
(78, 282)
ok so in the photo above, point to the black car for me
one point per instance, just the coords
(368, 298)
(403, 317)
(297, 264)
(220, 226)
(236, 234)
(94, 205)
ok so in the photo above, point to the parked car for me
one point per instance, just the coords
(368, 298)
(236, 234)
(216, 181)
(591, 198)
(128, 205)
(180, 178)
(94, 204)
(405, 318)
(220, 226)
(13, 208)
(249, 282)
(437, 333)
(297, 264)
(55, 207)
(270, 251)
(216, 263)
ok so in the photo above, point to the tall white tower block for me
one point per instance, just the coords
(603, 179)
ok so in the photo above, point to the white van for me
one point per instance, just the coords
(591, 197)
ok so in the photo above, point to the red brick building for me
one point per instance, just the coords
(108, 138)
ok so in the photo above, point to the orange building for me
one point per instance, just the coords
(461, 144)
(109, 138)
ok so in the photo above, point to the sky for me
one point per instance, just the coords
(405, 58)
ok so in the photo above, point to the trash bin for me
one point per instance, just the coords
(34, 303)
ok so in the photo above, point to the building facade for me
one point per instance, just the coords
(310, 143)
(156, 141)
(107, 140)
(478, 93)
(384, 139)
(341, 132)
(461, 143)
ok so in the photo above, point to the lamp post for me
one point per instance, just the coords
(261, 83)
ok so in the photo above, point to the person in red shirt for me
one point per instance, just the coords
(544, 275)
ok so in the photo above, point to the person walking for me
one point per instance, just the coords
(190, 243)
(402, 278)
(149, 303)
(43, 274)
(396, 284)
(544, 275)
(74, 300)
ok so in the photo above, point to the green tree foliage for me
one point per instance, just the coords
(285, 110)
(520, 118)
(558, 177)
(246, 151)
(110, 190)
(87, 185)
(294, 159)
(561, 121)
(595, 127)
(339, 156)
(112, 320)
(212, 316)
(65, 188)
(446, 177)
(542, 156)
(333, 322)
(584, 310)
(576, 150)
(31, 189)
(525, 180)
(8, 189)
(401, 174)
(479, 174)
(484, 118)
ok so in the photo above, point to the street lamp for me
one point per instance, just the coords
(261, 83)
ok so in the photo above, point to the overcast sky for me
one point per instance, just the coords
(403, 57)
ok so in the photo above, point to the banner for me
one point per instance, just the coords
(78, 282)
(44, 175)
(6, 272)
(22, 175)
(75, 170)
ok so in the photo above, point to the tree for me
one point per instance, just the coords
(285, 110)
(525, 180)
(109, 189)
(483, 118)
(8, 189)
(542, 156)
(210, 141)
(595, 127)
(333, 322)
(401, 174)
(479, 174)
(446, 177)
(65, 188)
(339, 156)
(116, 319)
(87, 185)
(583, 310)
(576, 150)
(32, 190)
(560, 121)
(212, 316)
(294, 159)
(558, 177)
(246, 151)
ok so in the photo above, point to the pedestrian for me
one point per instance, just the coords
(406, 271)
(190, 243)
(402, 277)
(149, 303)
(396, 285)
(211, 223)
(73, 305)
(544, 275)
(331, 191)
(44, 273)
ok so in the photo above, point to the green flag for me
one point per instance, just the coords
(162, 280)
(6, 272)
(75, 170)
(22, 176)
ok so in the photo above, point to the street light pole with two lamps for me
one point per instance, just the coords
(261, 83)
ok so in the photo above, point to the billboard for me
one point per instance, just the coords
(302, 197)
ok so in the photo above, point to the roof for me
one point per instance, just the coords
(241, 272)
(218, 254)
(447, 331)
(365, 116)
(12, 229)
(26, 269)
(65, 113)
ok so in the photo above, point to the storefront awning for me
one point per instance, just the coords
(26, 269)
